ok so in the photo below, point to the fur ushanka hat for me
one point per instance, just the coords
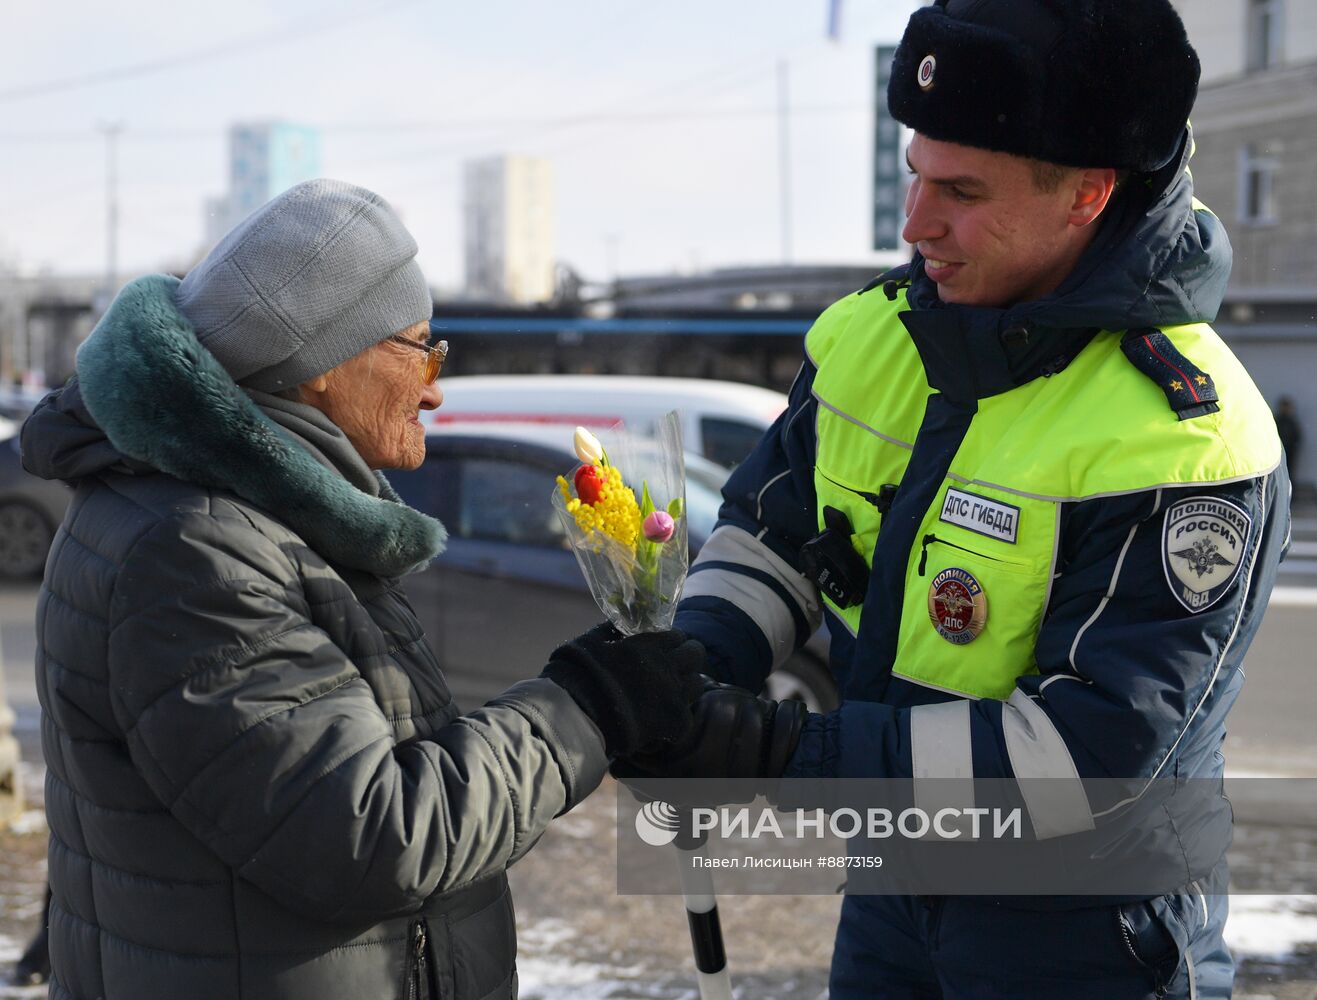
(1084, 83)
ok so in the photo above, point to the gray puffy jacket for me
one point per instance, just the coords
(257, 784)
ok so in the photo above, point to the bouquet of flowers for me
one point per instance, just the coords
(632, 552)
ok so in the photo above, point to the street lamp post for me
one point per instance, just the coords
(111, 132)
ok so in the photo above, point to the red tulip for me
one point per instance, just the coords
(588, 484)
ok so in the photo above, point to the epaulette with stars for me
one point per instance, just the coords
(1190, 390)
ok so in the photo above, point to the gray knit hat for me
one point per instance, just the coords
(305, 282)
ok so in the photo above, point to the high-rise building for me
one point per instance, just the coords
(265, 158)
(508, 212)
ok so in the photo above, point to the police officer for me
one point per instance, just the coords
(1035, 499)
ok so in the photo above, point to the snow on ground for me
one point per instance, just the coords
(9, 952)
(546, 979)
(1270, 926)
(544, 976)
(32, 777)
(30, 821)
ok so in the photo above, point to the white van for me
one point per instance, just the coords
(720, 420)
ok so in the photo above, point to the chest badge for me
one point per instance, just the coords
(957, 606)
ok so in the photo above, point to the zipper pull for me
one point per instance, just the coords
(923, 556)
(420, 951)
(415, 972)
(882, 500)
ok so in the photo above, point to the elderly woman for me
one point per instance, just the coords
(257, 784)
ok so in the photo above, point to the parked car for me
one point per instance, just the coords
(720, 420)
(30, 512)
(16, 402)
(508, 589)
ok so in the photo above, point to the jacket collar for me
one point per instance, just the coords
(163, 402)
(972, 354)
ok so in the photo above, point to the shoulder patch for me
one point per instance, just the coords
(1190, 390)
(1204, 540)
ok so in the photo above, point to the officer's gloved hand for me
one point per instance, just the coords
(737, 735)
(637, 689)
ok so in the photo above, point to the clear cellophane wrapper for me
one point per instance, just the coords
(637, 588)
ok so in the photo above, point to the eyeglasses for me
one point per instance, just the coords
(434, 356)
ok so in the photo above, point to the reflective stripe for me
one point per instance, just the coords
(1111, 587)
(941, 758)
(824, 404)
(1058, 804)
(763, 604)
(920, 682)
(1202, 899)
(759, 500)
(1052, 574)
(1109, 493)
(1061, 677)
(835, 620)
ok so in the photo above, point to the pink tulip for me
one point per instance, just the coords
(659, 526)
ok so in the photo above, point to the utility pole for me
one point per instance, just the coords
(834, 20)
(611, 244)
(784, 158)
(111, 131)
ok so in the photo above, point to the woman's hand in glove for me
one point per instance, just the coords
(737, 736)
(637, 689)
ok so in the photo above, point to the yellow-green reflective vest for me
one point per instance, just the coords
(1098, 428)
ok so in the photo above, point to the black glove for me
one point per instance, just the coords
(637, 689)
(737, 735)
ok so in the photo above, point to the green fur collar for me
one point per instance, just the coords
(162, 398)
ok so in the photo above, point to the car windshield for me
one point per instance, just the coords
(702, 503)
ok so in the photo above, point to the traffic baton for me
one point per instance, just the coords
(702, 913)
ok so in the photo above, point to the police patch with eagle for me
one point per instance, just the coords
(1203, 547)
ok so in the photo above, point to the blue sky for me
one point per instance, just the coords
(660, 120)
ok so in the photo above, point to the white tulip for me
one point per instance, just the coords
(588, 448)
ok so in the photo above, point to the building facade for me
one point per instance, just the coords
(43, 319)
(508, 229)
(1255, 125)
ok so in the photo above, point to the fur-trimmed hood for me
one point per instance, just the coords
(148, 397)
